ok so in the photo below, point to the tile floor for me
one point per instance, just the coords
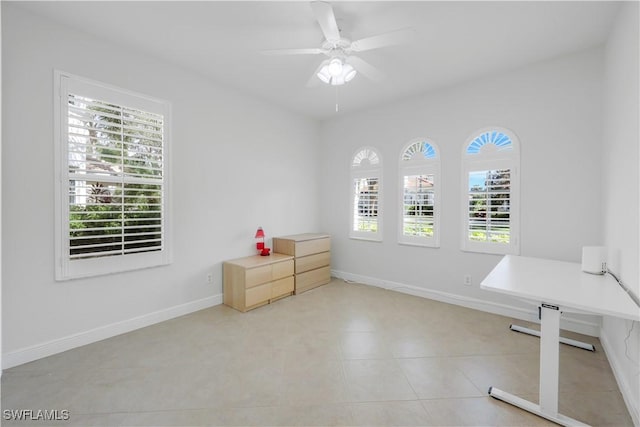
(342, 354)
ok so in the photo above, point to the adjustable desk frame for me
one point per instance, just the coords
(563, 340)
(557, 286)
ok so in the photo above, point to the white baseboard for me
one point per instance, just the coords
(528, 315)
(633, 406)
(31, 353)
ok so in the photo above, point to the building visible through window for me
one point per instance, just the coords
(420, 194)
(491, 192)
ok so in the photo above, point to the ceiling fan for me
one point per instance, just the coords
(342, 65)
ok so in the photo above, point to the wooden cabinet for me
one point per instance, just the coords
(257, 280)
(312, 254)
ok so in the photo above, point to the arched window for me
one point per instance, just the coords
(366, 196)
(491, 192)
(420, 194)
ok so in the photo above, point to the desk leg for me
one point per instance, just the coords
(549, 370)
(549, 358)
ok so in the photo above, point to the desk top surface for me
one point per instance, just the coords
(560, 283)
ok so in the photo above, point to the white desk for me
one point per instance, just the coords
(558, 287)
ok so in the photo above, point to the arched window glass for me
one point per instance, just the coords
(418, 151)
(491, 192)
(366, 195)
(419, 194)
(366, 157)
(499, 140)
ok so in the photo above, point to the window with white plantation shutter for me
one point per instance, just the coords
(420, 194)
(491, 160)
(112, 149)
(366, 196)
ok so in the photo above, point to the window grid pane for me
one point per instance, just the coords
(418, 205)
(365, 211)
(489, 207)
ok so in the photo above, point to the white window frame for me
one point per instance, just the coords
(492, 157)
(365, 163)
(67, 268)
(419, 163)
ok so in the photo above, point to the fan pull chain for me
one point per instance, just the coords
(336, 98)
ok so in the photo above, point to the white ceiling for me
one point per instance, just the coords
(455, 41)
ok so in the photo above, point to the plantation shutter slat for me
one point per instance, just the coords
(490, 193)
(418, 205)
(419, 196)
(365, 217)
(115, 176)
(489, 208)
(366, 204)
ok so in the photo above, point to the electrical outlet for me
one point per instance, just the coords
(467, 280)
(209, 278)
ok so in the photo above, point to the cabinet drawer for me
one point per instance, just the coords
(257, 276)
(309, 247)
(282, 269)
(282, 287)
(313, 278)
(257, 295)
(312, 262)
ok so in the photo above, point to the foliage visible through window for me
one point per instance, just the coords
(489, 205)
(115, 179)
(491, 189)
(111, 204)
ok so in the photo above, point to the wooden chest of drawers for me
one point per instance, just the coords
(312, 254)
(257, 280)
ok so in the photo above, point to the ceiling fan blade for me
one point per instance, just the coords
(314, 80)
(382, 40)
(366, 69)
(310, 51)
(327, 20)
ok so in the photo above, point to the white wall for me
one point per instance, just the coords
(553, 107)
(237, 165)
(620, 154)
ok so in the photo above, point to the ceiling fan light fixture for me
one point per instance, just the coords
(324, 74)
(335, 67)
(348, 72)
(339, 65)
(338, 80)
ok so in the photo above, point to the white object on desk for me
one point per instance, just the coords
(558, 287)
(594, 259)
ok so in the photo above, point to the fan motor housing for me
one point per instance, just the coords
(336, 48)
